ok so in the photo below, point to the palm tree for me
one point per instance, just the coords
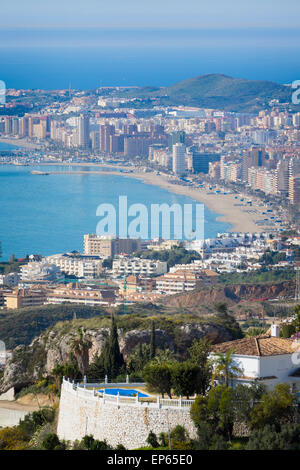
(255, 331)
(224, 367)
(163, 356)
(80, 345)
(57, 373)
(152, 342)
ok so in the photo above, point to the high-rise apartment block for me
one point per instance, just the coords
(294, 189)
(109, 246)
(83, 131)
(179, 165)
(177, 137)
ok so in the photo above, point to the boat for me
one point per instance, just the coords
(36, 172)
(16, 163)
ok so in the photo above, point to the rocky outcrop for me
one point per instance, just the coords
(197, 299)
(231, 294)
(165, 339)
(240, 292)
(29, 363)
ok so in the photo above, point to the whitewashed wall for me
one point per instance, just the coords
(81, 413)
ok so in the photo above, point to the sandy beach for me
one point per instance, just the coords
(20, 143)
(238, 214)
(225, 205)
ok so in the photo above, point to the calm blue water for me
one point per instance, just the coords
(4, 146)
(86, 58)
(50, 214)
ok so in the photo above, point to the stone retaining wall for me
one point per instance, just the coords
(81, 413)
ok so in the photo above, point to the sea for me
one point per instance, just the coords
(48, 214)
(90, 58)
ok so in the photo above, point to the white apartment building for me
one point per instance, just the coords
(176, 282)
(198, 267)
(179, 165)
(81, 296)
(11, 279)
(159, 244)
(109, 246)
(230, 261)
(251, 243)
(124, 266)
(39, 271)
(78, 265)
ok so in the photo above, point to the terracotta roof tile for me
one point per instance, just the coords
(257, 346)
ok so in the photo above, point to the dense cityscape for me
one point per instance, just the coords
(150, 231)
(257, 153)
(250, 161)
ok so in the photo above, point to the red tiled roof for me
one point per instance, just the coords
(256, 346)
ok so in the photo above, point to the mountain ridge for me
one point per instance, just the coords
(220, 91)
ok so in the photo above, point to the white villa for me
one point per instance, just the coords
(265, 358)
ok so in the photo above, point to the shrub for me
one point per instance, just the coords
(89, 443)
(205, 435)
(220, 443)
(163, 439)
(120, 447)
(288, 438)
(31, 422)
(274, 407)
(179, 433)
(152, 440)
(12, 439)
(51, 441)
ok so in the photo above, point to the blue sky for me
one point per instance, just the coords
(151, 13)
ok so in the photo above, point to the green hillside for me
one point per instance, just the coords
(220, 92)
(22, 325)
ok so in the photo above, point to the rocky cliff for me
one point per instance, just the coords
(30, 363)
(231, 294)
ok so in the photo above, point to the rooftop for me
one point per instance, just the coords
(262, 345)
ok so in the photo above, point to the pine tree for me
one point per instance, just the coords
(96, 371)
(113, 361)
(152, 342)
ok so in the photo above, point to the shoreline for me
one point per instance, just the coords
(222, 206)
(22, 143)
(241, 217)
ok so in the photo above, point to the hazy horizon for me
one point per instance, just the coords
(194, 13)
(156, 44)
(88, 57)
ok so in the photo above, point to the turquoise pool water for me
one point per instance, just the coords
(124, 392)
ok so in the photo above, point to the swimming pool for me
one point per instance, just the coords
(124, 392)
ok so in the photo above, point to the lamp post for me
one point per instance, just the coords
(169, 436)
